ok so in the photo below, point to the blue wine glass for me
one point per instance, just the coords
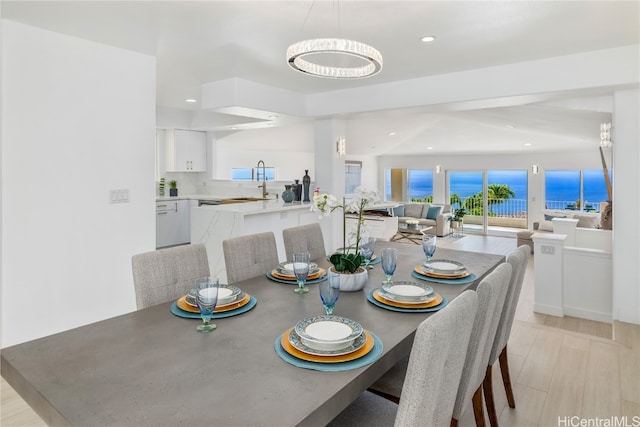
(389, 261)
(206, 292)
(367, 245)
(301, 271)
(330, 291)
(429, 245)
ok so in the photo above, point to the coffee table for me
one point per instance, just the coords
(412, 234)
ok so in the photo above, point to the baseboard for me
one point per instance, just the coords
(581, 313)
(552, 310)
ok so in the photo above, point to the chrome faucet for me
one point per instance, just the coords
(264, 179)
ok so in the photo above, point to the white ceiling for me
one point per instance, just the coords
(207, 41)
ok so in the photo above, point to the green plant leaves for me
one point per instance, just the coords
(346, 262)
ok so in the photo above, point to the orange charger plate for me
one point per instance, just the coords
(430, 304)
(418, 269)
(182, 305)
(320, 273)
(286, 345)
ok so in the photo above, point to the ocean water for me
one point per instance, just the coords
(560, 186)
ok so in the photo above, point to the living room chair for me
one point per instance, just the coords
(433, 373)
(304, 238)
(492, 291)
(249, 256)
(518, 259)
(167, 274)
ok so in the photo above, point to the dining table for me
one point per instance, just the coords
(152, 368)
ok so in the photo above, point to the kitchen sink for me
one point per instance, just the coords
(242, 200)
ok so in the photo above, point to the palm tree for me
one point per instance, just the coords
(499, 193)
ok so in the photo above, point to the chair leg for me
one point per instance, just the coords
(487, 385)
(477, 407)
(506, 379)
(454, 423)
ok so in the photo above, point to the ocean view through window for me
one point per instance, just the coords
(575, 189)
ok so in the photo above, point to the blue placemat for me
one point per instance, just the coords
(376, 260)
(189, 315)
(365, 360)
(374, 301)
(463, 281)
(293, 282)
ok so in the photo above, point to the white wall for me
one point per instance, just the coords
(626, 205)
(79, 121)
(290, 149)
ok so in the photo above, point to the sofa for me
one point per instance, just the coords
(427, 214)
(589, 221)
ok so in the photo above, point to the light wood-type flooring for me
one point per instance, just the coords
(560, 367)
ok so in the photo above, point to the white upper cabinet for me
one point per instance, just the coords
(186, 151)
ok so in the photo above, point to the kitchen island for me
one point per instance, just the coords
(213, 224)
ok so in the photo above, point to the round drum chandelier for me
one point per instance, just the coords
(299, 58)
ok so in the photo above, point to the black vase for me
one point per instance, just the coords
(298, 190)
(306, 181)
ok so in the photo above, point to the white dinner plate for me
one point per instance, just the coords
(328, 333)
(411, 292)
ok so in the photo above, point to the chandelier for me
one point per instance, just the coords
(299, 58)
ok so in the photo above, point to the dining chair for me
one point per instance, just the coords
(492, 291)
(304, 238)
(167, 274)
(518, 259)
(433, 373)
(249, 256)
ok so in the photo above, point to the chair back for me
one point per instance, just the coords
(436, 362)
(304, 238)
(518, 260)
(491, 295)
(249, 256)
(167, 274)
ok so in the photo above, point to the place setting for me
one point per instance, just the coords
(300, 271)
(403, 296)
(208, 299)
(328, 342)
(442, 271)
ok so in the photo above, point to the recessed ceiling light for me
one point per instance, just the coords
(234, 128)
(428, 39)
(429, 148)
(272, 116)
(191, 100)
(392, 133)
(527, 144)
(509, 126)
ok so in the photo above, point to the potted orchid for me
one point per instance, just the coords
(348, 260)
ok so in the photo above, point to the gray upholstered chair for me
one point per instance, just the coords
(433, 373)
(167, 274)
(304, 238)
(249, 256)
(492, 291)
(518, 260)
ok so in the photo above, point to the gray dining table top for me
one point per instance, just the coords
(152, 368)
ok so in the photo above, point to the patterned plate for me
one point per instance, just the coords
(361, 352)
(421, 270)
(409, 292)
(177, 311)
(328, 333)
(296, 341)
(383, 297)
(382, 305)
(183, 305)
(444, 266)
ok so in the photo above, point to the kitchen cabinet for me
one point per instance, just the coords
(173, 223)
(186, 150)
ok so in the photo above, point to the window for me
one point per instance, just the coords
(575, 189)
(252, 174)
(409, 184)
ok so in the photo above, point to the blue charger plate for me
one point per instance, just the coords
(374, 301)
(189, 315)
(293, 282)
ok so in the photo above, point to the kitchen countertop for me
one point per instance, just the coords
(254, 208)
(192, 197)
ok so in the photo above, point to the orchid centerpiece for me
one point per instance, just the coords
(348, 260)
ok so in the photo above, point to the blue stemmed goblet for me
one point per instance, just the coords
(389, 261)
(429, 245)
(367, 245)
(206, 290)
(329, 292)
(301, 270)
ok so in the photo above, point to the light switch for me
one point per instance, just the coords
(119, 196)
